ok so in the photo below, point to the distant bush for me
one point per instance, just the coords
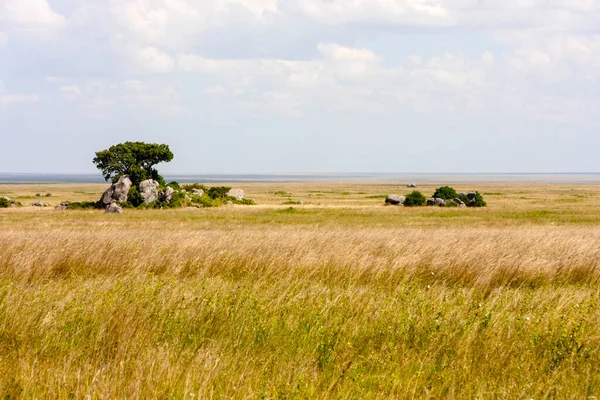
(175, 185)
(48, 194)
(478, 201)
(218, 192)
(205, 201)
(415, 199)
(291, 202)
(445, 192)
(192, 186)
(244, 202)
(38, 195)
(4, 203)
(85, 205)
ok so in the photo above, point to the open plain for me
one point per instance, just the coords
(340, 297)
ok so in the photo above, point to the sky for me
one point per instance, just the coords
(277, 86)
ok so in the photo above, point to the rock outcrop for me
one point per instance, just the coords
(117, 192)
(198, 192)
(149, 191)
(237, 193)
(395, 200)
(437, 202)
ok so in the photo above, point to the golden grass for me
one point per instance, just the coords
(348, 299)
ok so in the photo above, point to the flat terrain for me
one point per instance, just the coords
(338, 298)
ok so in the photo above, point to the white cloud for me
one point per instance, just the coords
(3, 38)
(71, 93)
(8, 99)
(30, 15)
(155, 60)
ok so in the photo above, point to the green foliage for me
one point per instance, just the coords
(84, 205)
(205, 201)
(177, 201)
(38, 195)
(291, 202)
(445, 192)
(48, 194)
(4, 203)
(244, 202)
(135, 159)
(192, 186)
(218, 192)
(415, 199)
(282, 193)
(479, 202)
(134, 198)
(175, 185)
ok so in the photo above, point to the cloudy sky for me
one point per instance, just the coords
(251, 86)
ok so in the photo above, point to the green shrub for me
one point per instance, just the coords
(193, 186)
(38, 195)
(244, 202)
(84, 205)
(445, 192)
(415, 199)
(479, 202)
(48, 194)
(218, 192)
(134, 198)
(4, 203)
(175, 185)
(205, 201)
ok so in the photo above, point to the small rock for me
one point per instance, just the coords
(60, 208)
(412, 185)
(38, 204)
(168, 194)
(440, 202)
(471, 195)
(188, 198)
(395, 199)
(462, 194)
(431, 202)
(230, 203)
(198, 192)
(237, 193)
(300, 203)
(113, 208)
(460, 202)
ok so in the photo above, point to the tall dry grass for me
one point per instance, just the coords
(346, 300)
(116, 310)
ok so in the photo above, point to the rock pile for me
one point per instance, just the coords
(395, 200)
(237, 193)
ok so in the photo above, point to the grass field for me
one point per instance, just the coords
(338, 298)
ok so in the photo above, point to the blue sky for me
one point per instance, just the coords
(267, 86)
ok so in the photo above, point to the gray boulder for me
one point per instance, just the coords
(230, 203)
(198, 192)
(117, 192)
(168, 194)
(113, 208)
(412, 185)
(460, 203)
(395, 200)
(431, 202)
(237, 193)
(39, 204)
(462, 194)
(149, 191)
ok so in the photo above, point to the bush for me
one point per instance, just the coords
(244, 202)
(175, 185)
(478, 201)
(4, 203)
(193, 186)
(48, 194)
(218, 192)
(445, 192)
(205, 201)
(415, 199)
(134, 198)
(85, 205)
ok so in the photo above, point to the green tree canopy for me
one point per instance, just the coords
(136, 159)
(445, 192)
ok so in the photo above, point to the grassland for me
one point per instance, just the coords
(338, 298)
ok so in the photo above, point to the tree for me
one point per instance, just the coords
(445, 192)
(136, 159)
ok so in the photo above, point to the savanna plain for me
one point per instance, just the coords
(340, 297)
